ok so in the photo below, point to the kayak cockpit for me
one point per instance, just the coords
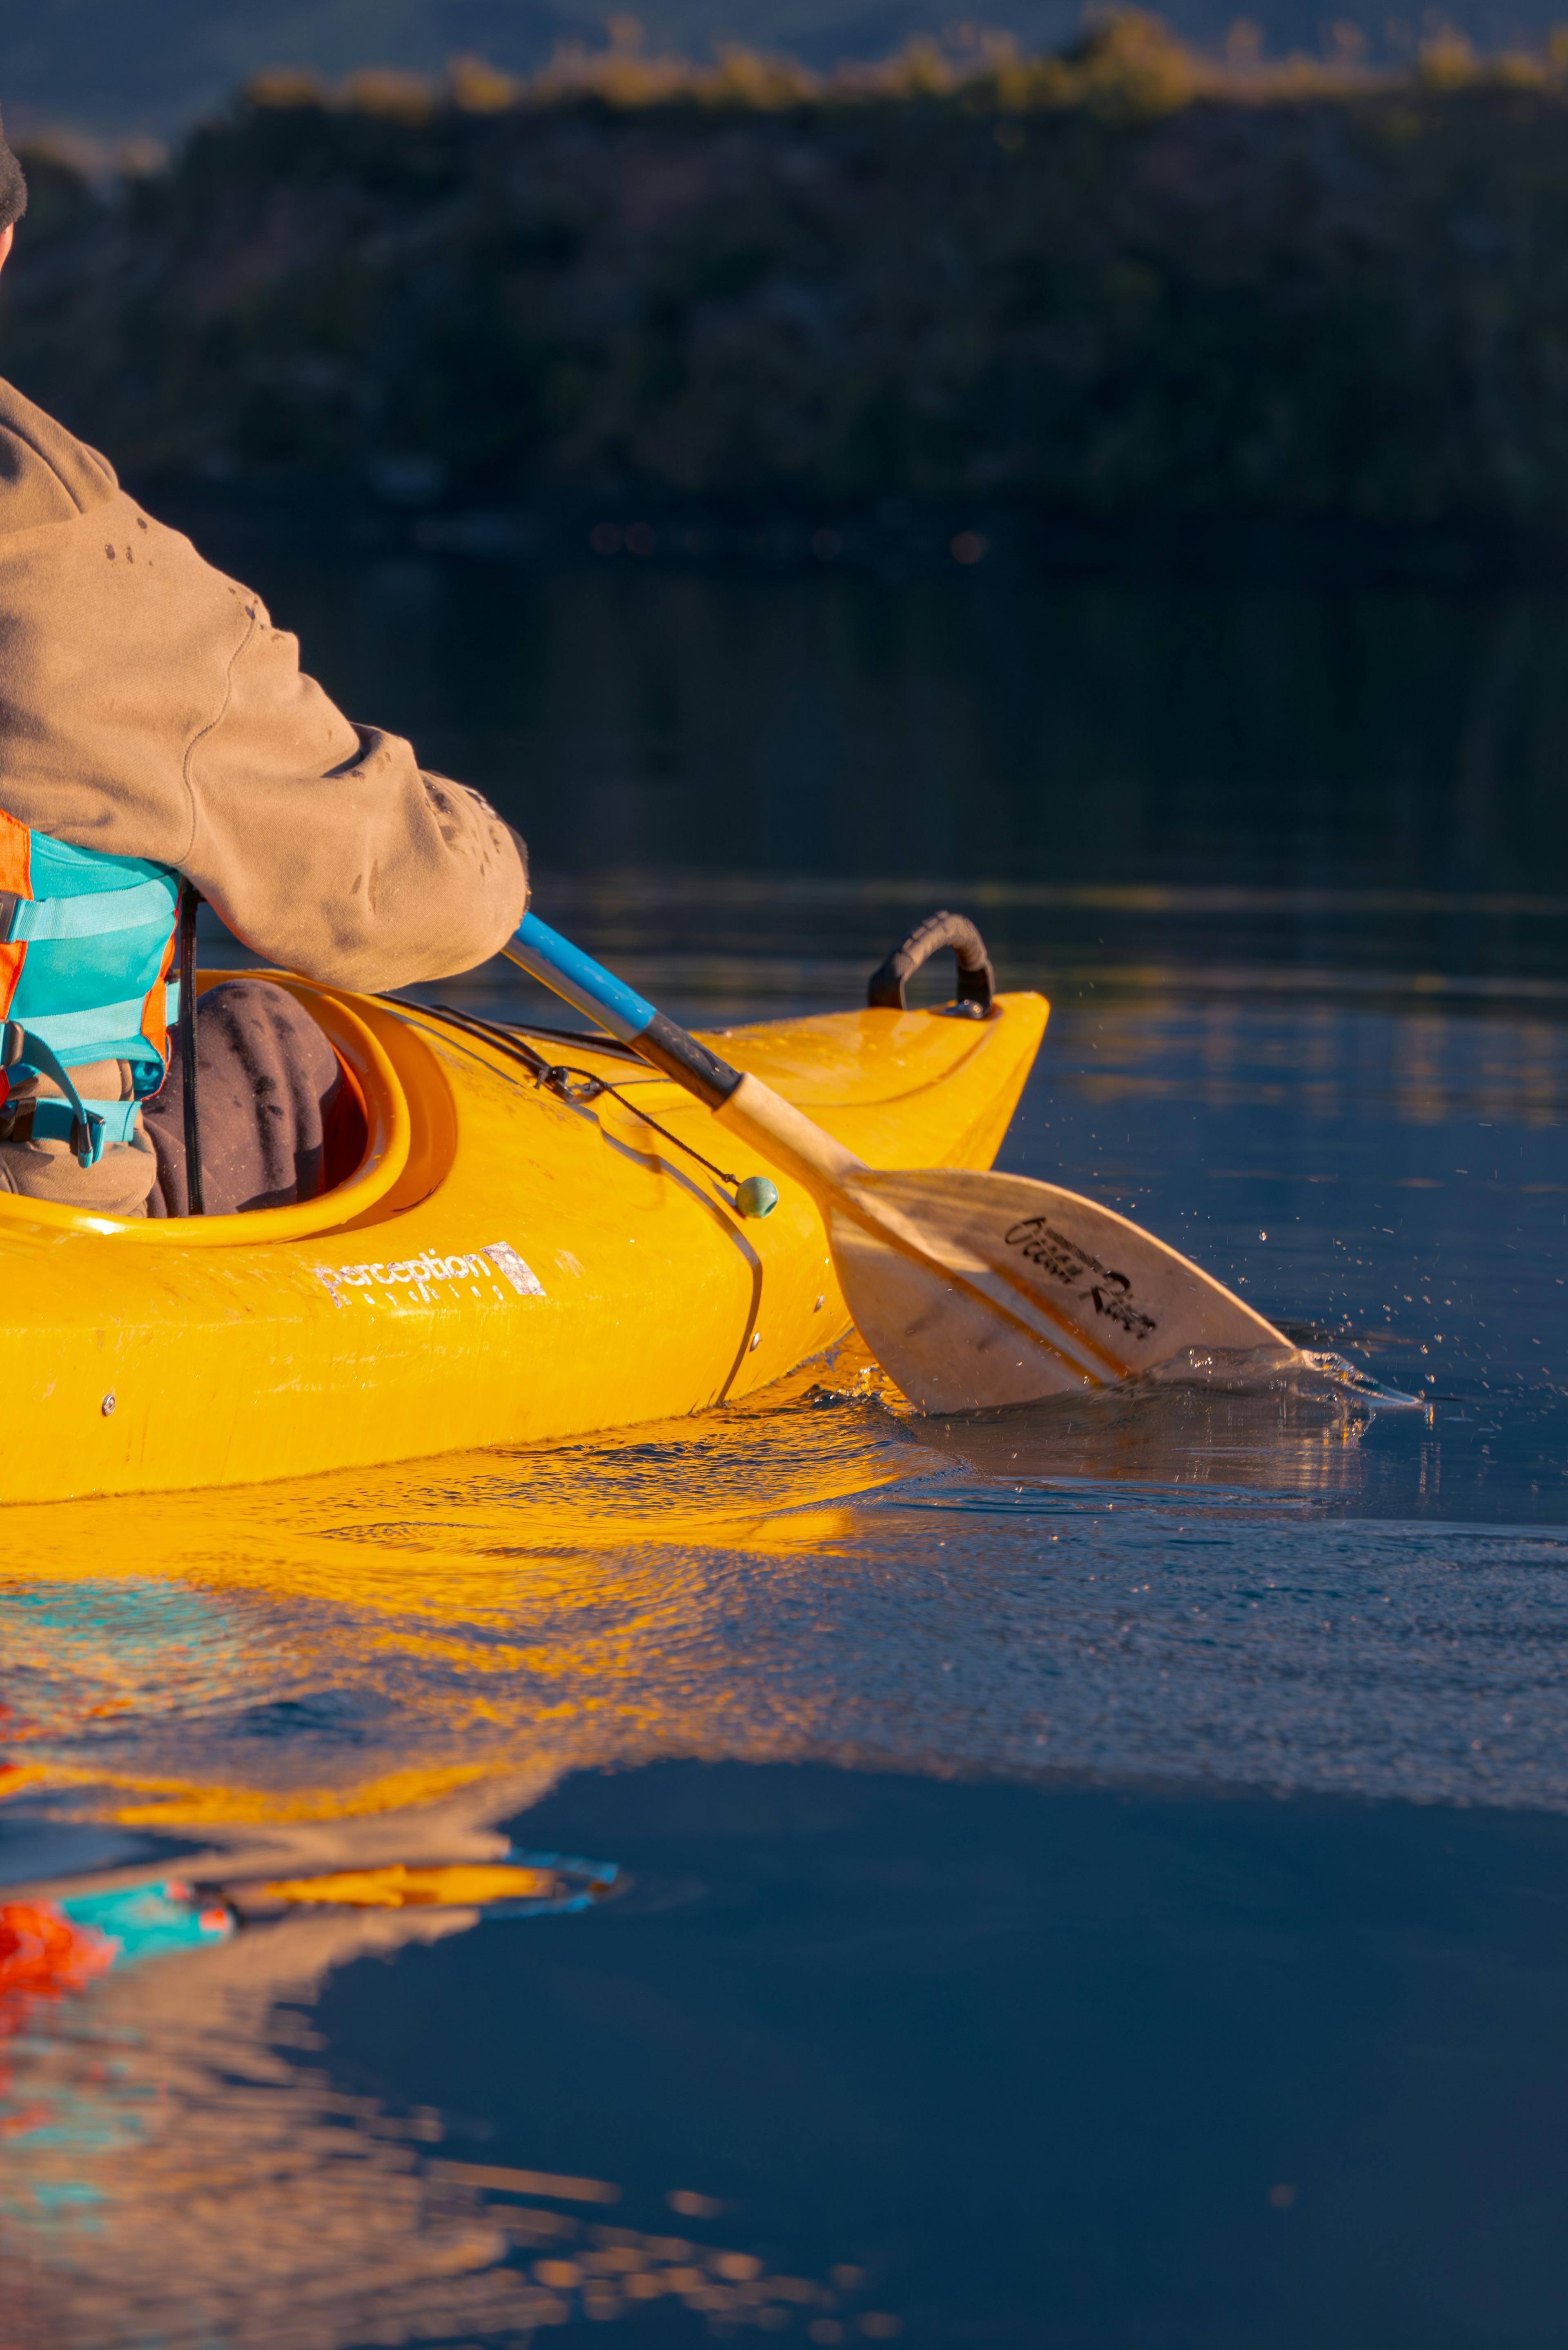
(408, 1139)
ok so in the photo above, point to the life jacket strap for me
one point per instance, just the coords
(95, 914)
(87, 1125)
(106, 1123)
(111, 1033)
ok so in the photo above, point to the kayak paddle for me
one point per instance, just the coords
(969, 1287)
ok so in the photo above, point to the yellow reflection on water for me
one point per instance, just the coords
(365, 1646)
(528, 1610)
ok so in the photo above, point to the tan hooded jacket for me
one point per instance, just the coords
(149, 707)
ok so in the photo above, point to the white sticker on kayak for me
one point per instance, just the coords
(523, 1277)
(429, 1273)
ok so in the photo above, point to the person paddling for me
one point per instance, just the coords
(155, 726)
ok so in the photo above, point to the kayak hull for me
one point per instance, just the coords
(506, 1267)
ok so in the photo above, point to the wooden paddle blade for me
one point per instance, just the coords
(978, 1289)
(947, 1348)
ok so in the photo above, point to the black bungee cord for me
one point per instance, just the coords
(578, 1087)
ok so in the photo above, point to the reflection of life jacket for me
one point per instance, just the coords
(86, 944)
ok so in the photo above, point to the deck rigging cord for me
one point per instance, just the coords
(575, 1087)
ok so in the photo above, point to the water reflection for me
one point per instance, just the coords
(172, 2172)
(1435, 1065)
(837, 1582)
(968, 729)
(175, 2171)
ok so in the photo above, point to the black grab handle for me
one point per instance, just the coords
(976, 980)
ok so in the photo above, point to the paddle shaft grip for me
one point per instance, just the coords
(586, 985)
(786, 1135)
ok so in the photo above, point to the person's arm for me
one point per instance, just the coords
(324, 846)
(149, 708)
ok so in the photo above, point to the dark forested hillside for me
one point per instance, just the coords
(1106, 285)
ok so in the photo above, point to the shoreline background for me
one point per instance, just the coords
(1126, 309)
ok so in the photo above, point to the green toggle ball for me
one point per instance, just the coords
(756, 1196)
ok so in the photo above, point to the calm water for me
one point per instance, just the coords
(1091, 1877)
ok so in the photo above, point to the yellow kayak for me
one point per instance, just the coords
(503, 1267)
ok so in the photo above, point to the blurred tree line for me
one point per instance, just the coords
(1123, 281)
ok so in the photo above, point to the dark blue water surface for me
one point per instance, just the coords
(1091, 1877)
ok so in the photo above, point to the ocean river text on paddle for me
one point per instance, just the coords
(1064, 1261)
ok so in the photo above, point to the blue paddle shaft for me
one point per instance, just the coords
(583, 981)
(586, 985)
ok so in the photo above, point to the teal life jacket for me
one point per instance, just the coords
(87, 941)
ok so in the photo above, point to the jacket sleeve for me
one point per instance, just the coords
(326, 847)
